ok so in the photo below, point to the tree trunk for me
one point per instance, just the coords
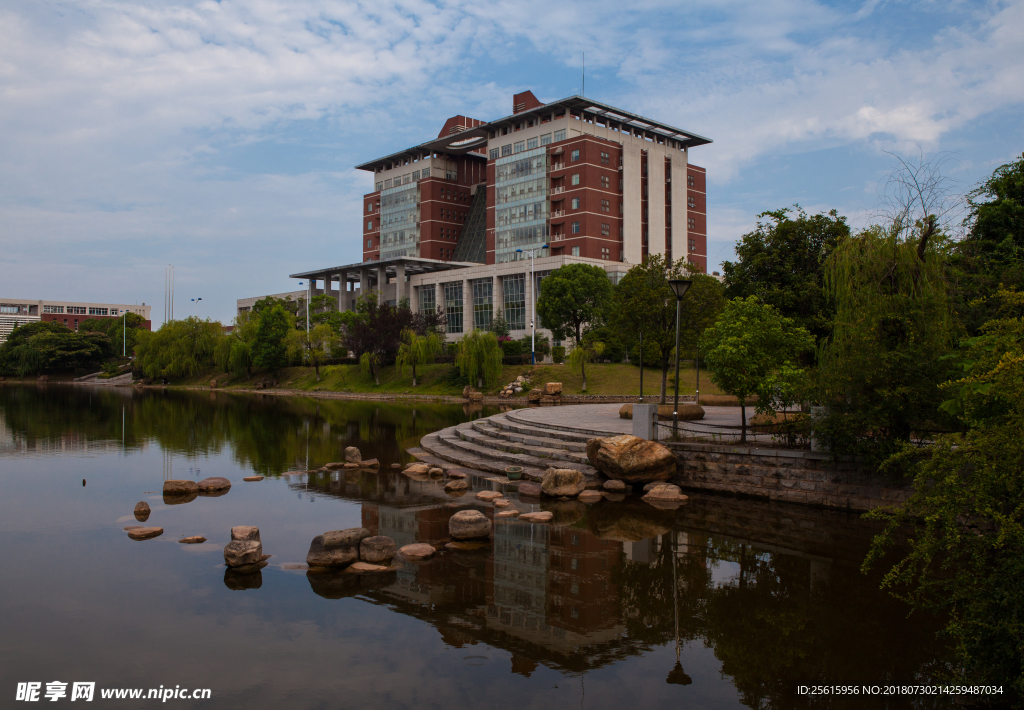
(743, 421)
(316, 368)
(583, 368)
(480, 383)
(413, 375)
(664, 381)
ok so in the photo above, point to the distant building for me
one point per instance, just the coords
(244, 305)
(19, 311)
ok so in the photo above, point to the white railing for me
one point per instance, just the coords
(557, 190)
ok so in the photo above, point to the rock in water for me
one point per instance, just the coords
(551, 388)
(366, 567)
(252, 479)
(489, 495)
(336, 548)
(456, 484)
(469, 525)
(145, 533)
(416, 469)
(216, 483)
(502, 503)
(245, 532)
(631, 459)
(245, 547)
(456, 474)
(378, 548)
(529, 490)
(666, 492)
(538, 517)
(435, 471)
(417, 551)
(180, 487)
(507, 514)
(615, 486)
(559, 482)
(396, 465)
(352, 455)
(192, 540)
(369, 463)
(589, 496)
(142, 511)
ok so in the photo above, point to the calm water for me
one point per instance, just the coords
(762, 597)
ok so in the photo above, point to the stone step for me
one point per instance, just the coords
(488, 428)
(455, 451)
(560, 431)
(500, 421)
(541, 452)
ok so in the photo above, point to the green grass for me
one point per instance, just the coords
(440, 380)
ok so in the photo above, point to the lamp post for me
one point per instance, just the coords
(641, 367)
(196, 302)
(533, 303)
(308, 286)
(679, 287)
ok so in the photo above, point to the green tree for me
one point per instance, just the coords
(750, 348)
(583, 353)
(41, 347)
(499, 326)
(180, 348)
(781, 262)
(270, 347)
(478, 358)
(417, 350)
(123, 332)
(966, 554)
(315, 346)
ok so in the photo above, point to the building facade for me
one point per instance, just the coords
(19, 311)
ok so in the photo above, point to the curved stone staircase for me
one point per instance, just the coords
(493, 443)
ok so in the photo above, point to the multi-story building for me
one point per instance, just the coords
(18, 311)
(452, 222)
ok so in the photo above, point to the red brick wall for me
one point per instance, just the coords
(72, 319)
(599, 202)
(698, 213)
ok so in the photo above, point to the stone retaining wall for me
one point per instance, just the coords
(787, 475)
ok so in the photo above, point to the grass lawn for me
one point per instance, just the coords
(602, 378)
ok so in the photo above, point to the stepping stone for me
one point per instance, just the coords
(417, 551)
(538, 517)
(192, 540)
(254, 478)
(507, 514)
(137, 533)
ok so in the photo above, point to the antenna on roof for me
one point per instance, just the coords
(583, 87)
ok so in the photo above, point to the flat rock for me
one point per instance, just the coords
(469, 525)
(369, 463)
(538, 517)
(353, 465)
(180, 487)
(631, 459)
(252, 479)
(352, 455)
(665, 493)
(589, 496)
(456, 485)
(416, 469)
(336, 548)
(137, 533)
(560, 482)
(507, 514)
(615, 486)
(142, 511)
(378, 548)
(367, 567)
(529, 490)
(334, 465)
(396, 465)
(192, 540)
(489, 495)
(502, 503)
(214, 483)
(456, 474)
(417, 551)
(435, 471)
(466, 546)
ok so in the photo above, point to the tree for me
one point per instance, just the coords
(234, 351)
(645, 302)
(499, 326)
(180, 348)
(781, 262)
(479, 358)
(573, 298)
(39, 347)
(374, 330)
(315, 346)
(966, 556)
(323, 309)
(583, 353)
(270, 347)
(749, 347)
(417, 350)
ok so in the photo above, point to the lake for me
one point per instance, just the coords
(723, 603)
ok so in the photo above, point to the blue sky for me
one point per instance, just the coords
(220, 136)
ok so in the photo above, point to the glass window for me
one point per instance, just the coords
(369, 207)
(369, 226)
(483, 303)
(407, 178)
(514, 290)
(605, 228)
(97, 311)
(575, 227)
(369, 244)
(576, 179)
(453, 306)
(575, 155)
(531, 143)
(53, 309)
(415, 174)
(494, 154)
(691, 223)
(545, 139)
(380, 186)
(575, 203)
(606, 253)
(506, 149)
(425, 172)
(560, 135)
(691, 203)
(575, 251)
(428, 299)
(520, 146)
(689, 180)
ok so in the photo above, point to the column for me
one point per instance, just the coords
(680, 214)
(656, 201)
(498, 294)
(400, 290)
(364, 281)
(382, 279)
(632, 238)
(467, 305)
(342, 290)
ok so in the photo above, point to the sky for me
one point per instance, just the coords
(220, 137)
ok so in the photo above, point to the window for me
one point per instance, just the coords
(369, 226)
(606, 253)
(545, 139)
(689, 180)
(97, 311)
(560, 135)
(606, 205)
(575, 251)
(606, 228)
(53, 309)
(691, 223)
(575, 203)
(506, 150)
(575, 156)
(369, 244)
(387, 183)
(425, 172)
(369, 207)
(77, 311)
(415, 175)
(520, 146)
(690, 202)
(575, 227)
(693, 245)
(606, 182)
(483, 304)
(576, 179)
(494, 154)
(531, 143)
(453, 306)
(379, 186)
(514, 290)
(605, 158)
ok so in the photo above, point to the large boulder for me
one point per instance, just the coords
(336, 548)
(552, 388)
(535, 395)
(352, 455)
(378, 548)
(240, 553)
(469, 525)
(558, 482)
(631, 459)
(529, 490)
(180, 488)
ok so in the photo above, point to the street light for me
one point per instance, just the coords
(679, 287)
(533, 304)
(308, 286)
(196, 302)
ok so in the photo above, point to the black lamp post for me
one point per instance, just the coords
(679, 287)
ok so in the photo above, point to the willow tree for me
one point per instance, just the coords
(582, 354)
(417, 350)
(479, 358)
